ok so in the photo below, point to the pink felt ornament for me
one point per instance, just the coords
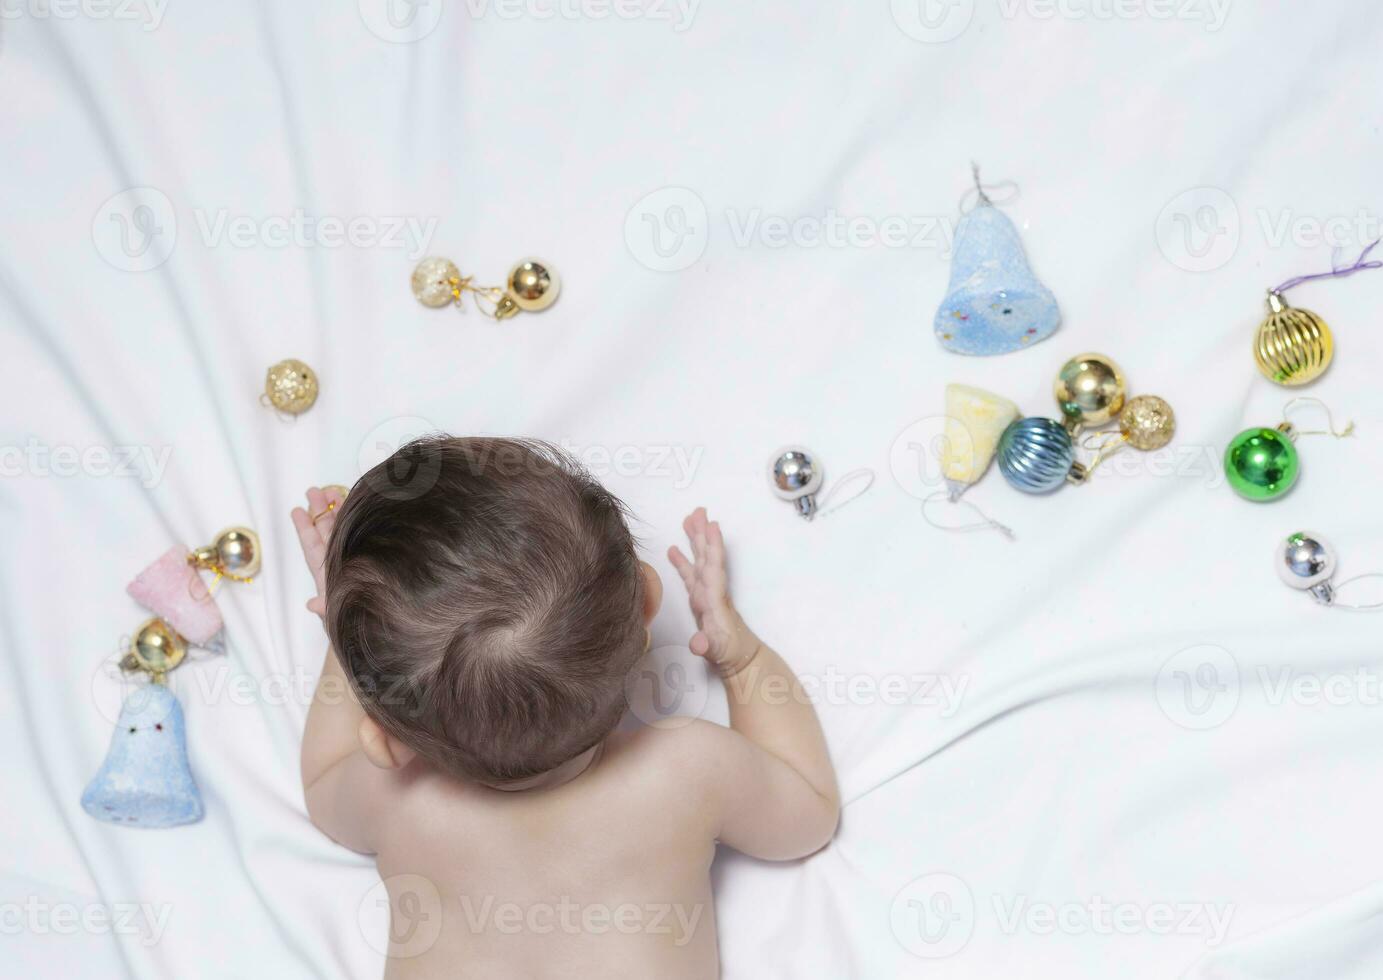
(172, 589)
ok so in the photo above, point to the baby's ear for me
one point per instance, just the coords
(652, 591)
(381, 748)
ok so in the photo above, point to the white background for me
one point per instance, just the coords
(1174, 160)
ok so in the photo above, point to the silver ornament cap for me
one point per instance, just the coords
(795, 475)
(1306, 561)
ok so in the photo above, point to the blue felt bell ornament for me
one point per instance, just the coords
(145, 780)
(994, 303)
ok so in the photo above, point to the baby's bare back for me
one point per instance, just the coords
(605, 876)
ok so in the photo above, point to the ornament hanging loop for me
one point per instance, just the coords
(1290, 430)
(985, 523)
(488, 299)
(1352, 606)
(979, 188)
(1336, 272)
(1005, 190)
(1104, 445)
(824, 505)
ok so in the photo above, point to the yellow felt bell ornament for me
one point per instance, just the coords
(975, 421)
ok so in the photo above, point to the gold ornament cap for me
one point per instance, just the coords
(1147, 422)
(1292, 346)
(291, 386)
(1090, 390)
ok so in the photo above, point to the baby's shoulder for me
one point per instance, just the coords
(686, 752)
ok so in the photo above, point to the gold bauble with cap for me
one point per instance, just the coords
(1090, 390)
(532, 287)
(1293, 346)
(234, 553)
(156, 648)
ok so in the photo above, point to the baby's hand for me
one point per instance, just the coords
(721, 637)
(313, 536)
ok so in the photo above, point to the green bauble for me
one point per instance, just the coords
(1261, 464)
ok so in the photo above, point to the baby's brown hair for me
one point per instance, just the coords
(485, 599)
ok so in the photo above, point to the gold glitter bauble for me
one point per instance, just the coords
(1147, 422)
(1090, 390)
(435, 281)
(1292, 347)
(291, 386)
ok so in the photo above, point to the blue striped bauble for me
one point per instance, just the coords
(1036, 454)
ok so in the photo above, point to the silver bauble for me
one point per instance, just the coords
(1306, 561)
(795, 475)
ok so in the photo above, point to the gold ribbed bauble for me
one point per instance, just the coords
(1293, 346)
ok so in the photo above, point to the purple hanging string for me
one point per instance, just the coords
(1335, 271)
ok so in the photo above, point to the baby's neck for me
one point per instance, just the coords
(564, 773)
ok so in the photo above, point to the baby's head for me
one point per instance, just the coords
(485, 599)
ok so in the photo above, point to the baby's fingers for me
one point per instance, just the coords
(332, 499)
(715, 544)
(683, 565)
(314, 548)
(308, 537)
(695, 526)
